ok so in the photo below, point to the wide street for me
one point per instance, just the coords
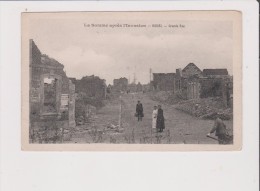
(181, 128)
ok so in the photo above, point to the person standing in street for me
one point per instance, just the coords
(139, 111)
(160, 120)
(154, 117)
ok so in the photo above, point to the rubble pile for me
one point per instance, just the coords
(166, 97)
(206, 108)
(111, 127)
(66, 135)
(85, 114)
(50, 132)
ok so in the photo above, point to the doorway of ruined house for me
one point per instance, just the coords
(49, 95)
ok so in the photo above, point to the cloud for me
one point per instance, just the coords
(121, 56)
(121, 53)
(79, 62)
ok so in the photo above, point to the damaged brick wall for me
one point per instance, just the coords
(190, 70)
(120, 84)
(46, 74)
(164, 81)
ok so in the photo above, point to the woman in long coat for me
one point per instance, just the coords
(160, 120)
(154, 116)
(139, 111)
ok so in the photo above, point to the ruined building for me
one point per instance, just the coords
(52, 101)
(177, 82)
(91, 91)
(190, 70)
(192, 83)
(164, 81)
(132, 87)
(215, 73)
(120, 84)
(187, 81)
(91, 86)
(139, 87)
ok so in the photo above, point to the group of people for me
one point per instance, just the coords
(157, 116)
(219, 127)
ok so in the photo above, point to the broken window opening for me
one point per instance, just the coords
(49, 101)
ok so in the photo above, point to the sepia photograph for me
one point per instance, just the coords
(161, 93)
(166, 80)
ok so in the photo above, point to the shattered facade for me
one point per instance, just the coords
(52, 101)
(164, 81)
(91, 86)
(190, 70)
(120, 84)
(192, 83)
(217, 73)
(132, 88)
(139, 87)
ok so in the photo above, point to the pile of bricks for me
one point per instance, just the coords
(166, 97)
(85, 114)
(206, 108)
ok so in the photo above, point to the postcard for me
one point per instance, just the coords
(132, 81)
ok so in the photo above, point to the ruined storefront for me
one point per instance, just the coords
(52, 101)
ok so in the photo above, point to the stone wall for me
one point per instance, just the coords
(139, 87)
(72, 105)
(211, 87)
(191, 70)
(193, 90)
(120, 84)
(42, 69)
(164, 81)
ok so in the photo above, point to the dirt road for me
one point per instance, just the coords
(183, 127)
(180, 127)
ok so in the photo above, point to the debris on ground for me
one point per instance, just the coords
(206, 108)
(166, 97)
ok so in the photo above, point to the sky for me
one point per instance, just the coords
(112, 53)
